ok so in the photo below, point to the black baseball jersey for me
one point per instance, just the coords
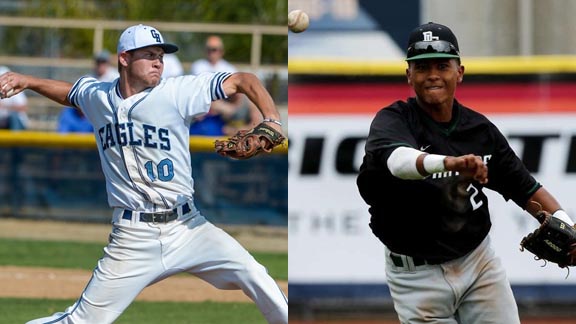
(443, 216)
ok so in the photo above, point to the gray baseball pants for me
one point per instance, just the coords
(472, 289)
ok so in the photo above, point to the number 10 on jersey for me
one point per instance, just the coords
(163, 171)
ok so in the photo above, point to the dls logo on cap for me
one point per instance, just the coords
(428, 37)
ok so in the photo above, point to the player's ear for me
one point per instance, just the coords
(123, 59)
(460, 73)
(408, 75)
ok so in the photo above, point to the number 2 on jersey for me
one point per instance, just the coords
(164, 170)
(475, 204)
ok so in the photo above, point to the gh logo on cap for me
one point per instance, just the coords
(158, 38)
(428, 36)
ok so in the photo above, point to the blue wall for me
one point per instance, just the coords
(68, 184)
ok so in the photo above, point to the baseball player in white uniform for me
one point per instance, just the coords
(141, 124)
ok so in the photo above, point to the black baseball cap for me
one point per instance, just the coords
(432, 40)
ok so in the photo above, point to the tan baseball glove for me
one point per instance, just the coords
(246, 144)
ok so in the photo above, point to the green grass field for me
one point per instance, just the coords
(76, 255)
(13, 310)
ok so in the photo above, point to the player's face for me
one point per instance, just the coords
(435, 80)
(145, 65)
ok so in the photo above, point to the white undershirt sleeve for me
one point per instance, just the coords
(402, 163)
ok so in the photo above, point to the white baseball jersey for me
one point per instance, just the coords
(143, 140)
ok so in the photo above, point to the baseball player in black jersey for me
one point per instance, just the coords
(426, 164)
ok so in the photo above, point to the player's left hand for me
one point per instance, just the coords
(246, 144)
(554, 241)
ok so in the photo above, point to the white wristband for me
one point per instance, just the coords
(561, 215)
(270, 120)
(434, 163)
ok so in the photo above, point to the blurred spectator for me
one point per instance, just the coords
(214, 61)
(72, 120)
(225, 117)
(13, 110)
(172, 66)
(103, 69)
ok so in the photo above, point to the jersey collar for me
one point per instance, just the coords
(444, 128)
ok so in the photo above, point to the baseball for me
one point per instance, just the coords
(6, 94)
(298, 21)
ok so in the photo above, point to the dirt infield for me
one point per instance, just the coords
(253, 238)
(26, 282)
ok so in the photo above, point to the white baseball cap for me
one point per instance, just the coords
(140, 36)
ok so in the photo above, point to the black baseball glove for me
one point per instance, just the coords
(554, 241)
(246, 144)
